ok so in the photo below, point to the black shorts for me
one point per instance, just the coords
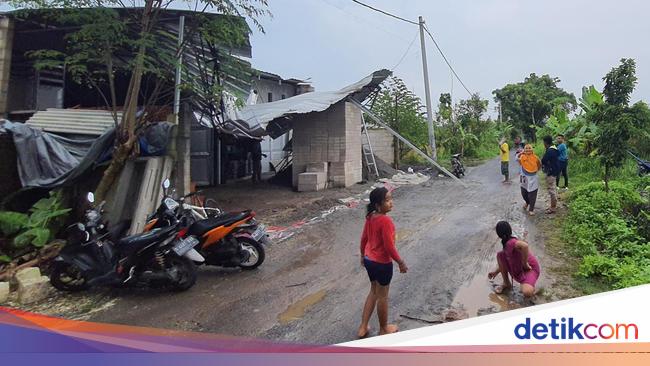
(380, 272)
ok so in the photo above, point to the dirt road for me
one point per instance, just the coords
(311, 287)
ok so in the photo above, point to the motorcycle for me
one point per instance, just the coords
(457, 166)
(642, 165)
(96, 256)
(233, 239)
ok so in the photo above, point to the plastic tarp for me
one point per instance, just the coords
(275, 118)
(48, 160)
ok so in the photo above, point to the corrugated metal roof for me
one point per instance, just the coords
(73, 121)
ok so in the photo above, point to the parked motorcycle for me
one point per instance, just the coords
(228, 239)
(642, 165)
(457, 166)
(96, 256)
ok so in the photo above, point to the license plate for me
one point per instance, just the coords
(185, 245)
(259, 233)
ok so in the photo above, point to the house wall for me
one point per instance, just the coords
(333, 137)
(276, 88)
(382, 144)
(6, 45)
(273, 148)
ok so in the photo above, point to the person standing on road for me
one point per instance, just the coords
(530, 165)
(504, 151)
(551, 166)
(563, 159)
(515, 260)
(378, 252)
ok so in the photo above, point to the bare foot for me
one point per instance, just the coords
(502, 288)
(361, 334)
(390, 328)
(531, 213)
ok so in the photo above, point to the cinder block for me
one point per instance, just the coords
(34, 290)
(312, 178)
(4, 292)
(27, 274)
(317, 167)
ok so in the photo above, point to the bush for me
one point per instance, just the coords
(35, 230)
(606, 229)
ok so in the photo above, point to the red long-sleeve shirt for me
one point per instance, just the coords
(378, 239)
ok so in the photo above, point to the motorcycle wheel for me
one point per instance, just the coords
(186, 271)
(256, 251)
(67, 277)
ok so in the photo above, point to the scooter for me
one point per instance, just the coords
(229, 239)
(457, 166)
(95, 256)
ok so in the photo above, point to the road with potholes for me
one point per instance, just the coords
(311, 288)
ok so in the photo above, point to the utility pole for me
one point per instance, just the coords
(427, 92)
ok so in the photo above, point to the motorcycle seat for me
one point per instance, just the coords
(203, 226)
(138, 241)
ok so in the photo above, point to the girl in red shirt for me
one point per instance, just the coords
(377, 255)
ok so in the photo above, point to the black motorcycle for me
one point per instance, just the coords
(643, 165)
(96, 256)
(457, 167)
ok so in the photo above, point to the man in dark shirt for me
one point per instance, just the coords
(551, 166)
(256, 155)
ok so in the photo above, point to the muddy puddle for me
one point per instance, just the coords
(298, 309)
(477, 295)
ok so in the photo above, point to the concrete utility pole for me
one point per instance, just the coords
(427, 92)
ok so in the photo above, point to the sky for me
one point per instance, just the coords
(490, 43)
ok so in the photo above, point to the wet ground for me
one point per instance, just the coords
(311, 287)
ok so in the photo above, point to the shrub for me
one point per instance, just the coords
(606, 229)
(36, 229)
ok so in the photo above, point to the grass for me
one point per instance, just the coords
(564, 262)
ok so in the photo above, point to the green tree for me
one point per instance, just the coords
(92, 48)
(615, 119)
(403, 111)
(468, 124)
(445, 109)
(620, 83)
(529, 103)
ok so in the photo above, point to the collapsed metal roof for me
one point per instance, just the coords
(73, 121)
(275, 118)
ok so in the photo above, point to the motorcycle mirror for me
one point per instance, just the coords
(166, 183)
(91, 197)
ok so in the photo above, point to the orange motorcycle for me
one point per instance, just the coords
(233, 239)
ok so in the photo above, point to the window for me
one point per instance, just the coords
(270, 97)
(284, 96)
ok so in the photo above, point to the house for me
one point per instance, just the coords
(268, 87)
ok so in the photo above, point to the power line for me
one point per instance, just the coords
(430, 36)
(405, 53)
(385, 12)
(364, 20)
(447, 61)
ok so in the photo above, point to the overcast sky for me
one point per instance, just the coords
(489, 42)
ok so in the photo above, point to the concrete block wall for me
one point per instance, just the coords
(333, 137)
(6, 45)
(382, 144)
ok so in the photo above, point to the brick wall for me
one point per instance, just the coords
(332, 136)
(6, 44)
(382, 144)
